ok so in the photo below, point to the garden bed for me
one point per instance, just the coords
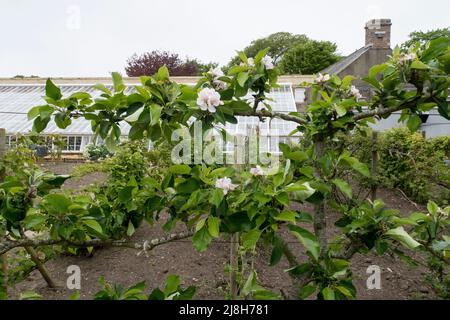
(206, 270)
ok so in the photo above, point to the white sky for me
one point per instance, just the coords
(95, 37)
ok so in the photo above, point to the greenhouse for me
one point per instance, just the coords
(17, 99)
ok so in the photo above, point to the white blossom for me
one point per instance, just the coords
(219, 84)
(209, 99)
(250, 62)
(320, 78)
(216, 72)
(226, 185)
(257, 171)
(268, 62)
(403, 58)
(355, 92)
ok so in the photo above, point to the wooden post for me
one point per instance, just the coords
(4, 257)
(374, 167)
(234, 265)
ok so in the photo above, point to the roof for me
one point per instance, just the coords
(293, 79)
(17, 99)
(341, 65)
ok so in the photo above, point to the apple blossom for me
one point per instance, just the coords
(268, 62)
(355, 92)
(257, 171)
(209, 99)
(226, 185)
(320, 78)
(403, 58)
(216, 72)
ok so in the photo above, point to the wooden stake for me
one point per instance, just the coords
(374, 169)
(234, 264)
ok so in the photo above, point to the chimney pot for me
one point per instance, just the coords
(378, 33)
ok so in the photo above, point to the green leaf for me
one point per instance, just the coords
(33, 112)
(414, 122)
(126, 194)
(52, 91)
(328, 293)
(103, 88)
(418, 65)
(283, 198)
(432, 207)
(130, 229)
(242, 78)
(261, 55)
(118, 82)
(306, 291)
(201, 239)
(162, 74)
(340, 110)
(57, 203)
(344, 187)
(30, 295)
(155, 112)
(93, 225)
(277, 253)
(188, 186)
(308, 240)
(135, 116)
(216, 197)
(297, 156)
(355, 164)
(180, 169)
(213, 226)
(403, 237)
(172, 283)
(250, 239)
(376, 69)
(40, 124)
(289, 216)
(33, 220)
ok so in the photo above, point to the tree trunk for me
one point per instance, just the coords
(234, 264)
(374, 169)
(41, 267)
(320, 224)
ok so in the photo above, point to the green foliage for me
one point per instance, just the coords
(278, 43)
(97, 152)
(216, 199)
(423, 37)
(407, 161)
(171, 291)
(294, 54)
(309, 57)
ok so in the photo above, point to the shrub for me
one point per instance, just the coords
(96, 152)
(408, 161)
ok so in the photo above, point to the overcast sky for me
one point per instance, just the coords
(95, 37)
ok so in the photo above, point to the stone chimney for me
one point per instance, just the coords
(378, 33)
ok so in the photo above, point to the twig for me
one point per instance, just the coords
(151, 244)
(406, 197)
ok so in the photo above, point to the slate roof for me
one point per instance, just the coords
(341, 65)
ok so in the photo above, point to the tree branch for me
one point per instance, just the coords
(378, 112)
(148, 245)
(267, 114)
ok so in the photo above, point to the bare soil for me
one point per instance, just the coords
(206, 270)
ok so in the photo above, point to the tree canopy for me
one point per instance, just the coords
(422, 37)
(303, 55)
(309, 57)
(149, 63)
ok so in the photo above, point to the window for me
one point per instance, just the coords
(73, 143)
